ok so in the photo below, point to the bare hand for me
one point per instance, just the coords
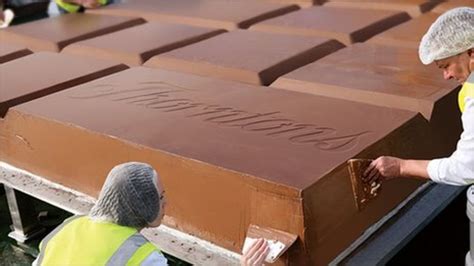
(383, 168)
(85, 3)
(256, 254)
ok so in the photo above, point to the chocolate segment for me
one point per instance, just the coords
(347, 25)
(408, 34)
(135, 45)
(246, 56)
(43, 73)
(53, 34)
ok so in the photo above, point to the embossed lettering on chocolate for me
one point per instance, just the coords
(43, 73)
(9, 52)
(223, 14)
(229, 154)
(53, 34)
(387, 76)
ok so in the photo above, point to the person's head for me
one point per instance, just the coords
(132, 196)
(449, 43)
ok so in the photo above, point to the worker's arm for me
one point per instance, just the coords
(386, 167)
(458, 169)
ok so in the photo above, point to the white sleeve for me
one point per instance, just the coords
(458, 169)
(155, 259)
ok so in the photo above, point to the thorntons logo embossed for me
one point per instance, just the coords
(168, 98)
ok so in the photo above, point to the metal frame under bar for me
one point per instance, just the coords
(377, 245)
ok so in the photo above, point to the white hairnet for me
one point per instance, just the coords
(451, 34)
(129, 196)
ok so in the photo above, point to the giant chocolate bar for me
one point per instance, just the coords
(229, 154)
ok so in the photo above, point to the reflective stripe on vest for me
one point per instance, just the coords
(87, 242)
(466, 91)
(126, 250)
(73, 8)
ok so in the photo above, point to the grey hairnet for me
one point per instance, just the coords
(451, 34)
(129, 196)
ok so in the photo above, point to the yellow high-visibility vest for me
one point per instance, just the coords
(73, 8)
(82, 241)
(467, 90)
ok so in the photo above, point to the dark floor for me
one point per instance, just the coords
(445, 241)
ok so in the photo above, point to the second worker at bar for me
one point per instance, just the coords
(131, 199)
(449, 43)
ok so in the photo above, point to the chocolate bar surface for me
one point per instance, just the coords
(244, 152)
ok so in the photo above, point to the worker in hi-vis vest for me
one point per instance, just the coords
(131, 199)
(74, 6)
(449, 43)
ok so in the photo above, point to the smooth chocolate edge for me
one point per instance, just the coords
(210, 70)
(268, 15)
(14, 55)
(345, 93)
(120, 26)
(379, 27)
(311, 55)
(176, 45)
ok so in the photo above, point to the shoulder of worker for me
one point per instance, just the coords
(155, 258)
(469, 100)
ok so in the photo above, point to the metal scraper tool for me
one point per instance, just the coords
(363, 192)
